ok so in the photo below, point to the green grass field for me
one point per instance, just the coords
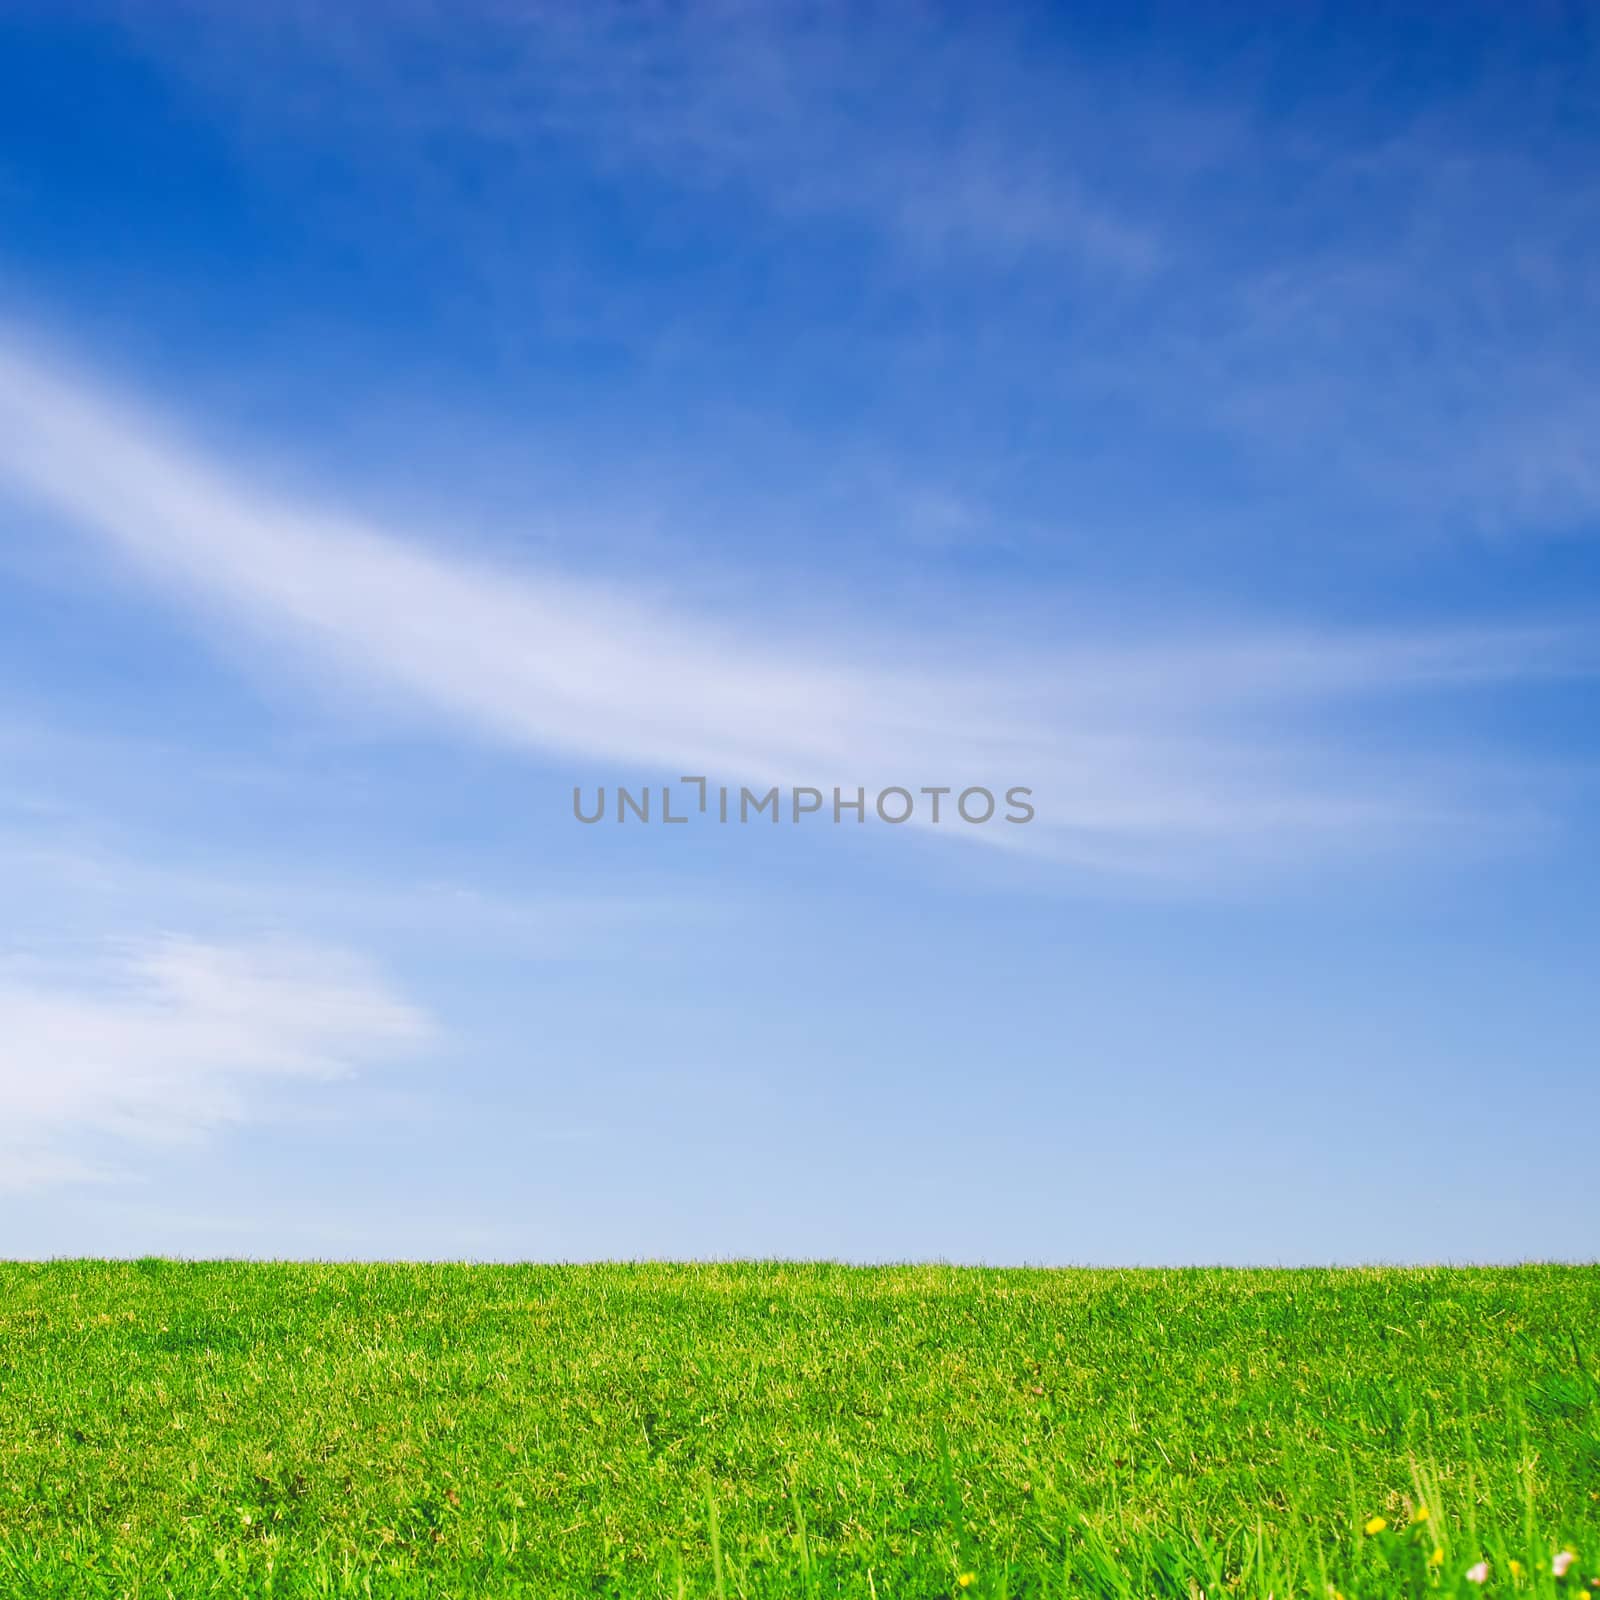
(231, 1430)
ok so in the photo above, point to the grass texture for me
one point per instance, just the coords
(231, 1429)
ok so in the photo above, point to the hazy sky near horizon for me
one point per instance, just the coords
(404, 421)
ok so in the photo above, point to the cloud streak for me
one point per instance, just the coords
(1429, 360)
(1139, 749)
(170, 1038)
(756, 100)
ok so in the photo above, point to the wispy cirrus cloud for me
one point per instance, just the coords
(168, 1038)
(1142, 751)
(767, 103)
(1080, 235)
(1438, 357)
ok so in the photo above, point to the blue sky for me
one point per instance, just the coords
(405, 421)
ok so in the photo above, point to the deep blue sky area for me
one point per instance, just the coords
(1185, 415)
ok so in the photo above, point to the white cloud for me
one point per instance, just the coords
(171, 1037)
(755, 101)
(1138, 749)
(1377, 315)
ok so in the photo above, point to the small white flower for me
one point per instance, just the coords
(1479, 1573)
(1562, 1562)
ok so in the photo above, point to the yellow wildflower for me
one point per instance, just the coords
(1377, 1524)
(967, 1579)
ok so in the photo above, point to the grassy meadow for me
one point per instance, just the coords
(235, 1429)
